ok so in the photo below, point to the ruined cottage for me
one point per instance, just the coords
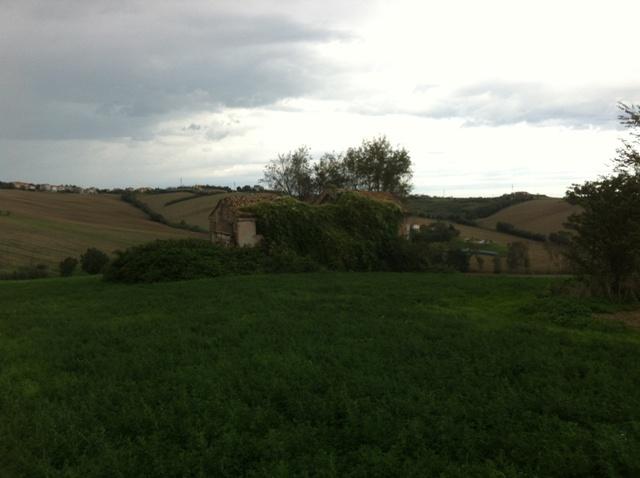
(230, 225)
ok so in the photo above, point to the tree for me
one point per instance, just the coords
(290, 173)
(376, 166)
(94, 261)
(68, 266)
(605, 247)
(329, 172)
(518, 257)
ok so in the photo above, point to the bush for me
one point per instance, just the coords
(518, 257)
(68, 266)
(183, 259)
(508, 228)
(93, 261)
(39, 271)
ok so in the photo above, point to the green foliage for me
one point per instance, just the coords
(68, 266)
(93, 261)
(290, 173)
(332, 374)
(348, 234)
(376, 166)
(182, 259)
(508, 228)
(605, 251)
(436, 232)
(373, 166)
(38, 271)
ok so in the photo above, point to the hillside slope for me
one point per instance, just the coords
(543, 216)
(546, 258)
(47, 227)
(194, 211)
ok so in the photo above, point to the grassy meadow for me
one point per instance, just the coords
(46, 227)
(329, 374)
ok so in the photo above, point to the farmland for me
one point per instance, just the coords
(194, 211)
(546, 258)
(328, 374)
(47, 227)
(543, 216)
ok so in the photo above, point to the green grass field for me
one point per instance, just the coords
(368, 375)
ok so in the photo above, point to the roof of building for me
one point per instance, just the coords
(236, 202)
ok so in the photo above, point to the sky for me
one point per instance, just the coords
(487, 97)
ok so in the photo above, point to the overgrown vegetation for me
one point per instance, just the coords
(353, 233)
(37, 271)
(464, 210)
(338, 374)
(131, 198)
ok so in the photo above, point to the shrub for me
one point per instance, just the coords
(518, 257)
(183, 259)
(436, 232)
(68, 266)
(508, 228)
(39, 271)
(93, 261)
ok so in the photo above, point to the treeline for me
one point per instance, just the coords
(373, 166)
(131, 198)
(562, 238)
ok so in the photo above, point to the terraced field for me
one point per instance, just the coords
(193, 211)
(47, 227)
(543, 216)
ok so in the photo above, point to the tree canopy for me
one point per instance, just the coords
(373, 166)
(605, 249)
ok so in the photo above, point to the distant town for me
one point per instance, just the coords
(70, 188)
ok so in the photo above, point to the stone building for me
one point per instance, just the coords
(230, 225)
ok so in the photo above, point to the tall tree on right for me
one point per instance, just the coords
(605, 249)
(376, 166)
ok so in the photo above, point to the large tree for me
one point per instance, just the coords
(290, 173)
(373, 166)
(376, 166)
(605, 249)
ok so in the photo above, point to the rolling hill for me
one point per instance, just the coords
(543, 216)
(47, 227)
(192, 209)
(545, 257)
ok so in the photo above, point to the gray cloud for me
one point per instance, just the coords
(502, 103)
(78, 71)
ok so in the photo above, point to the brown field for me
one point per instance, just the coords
(47, 227)
(543, 216)
(194, 211)
(545, 257)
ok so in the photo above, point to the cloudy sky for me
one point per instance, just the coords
(486, 95)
